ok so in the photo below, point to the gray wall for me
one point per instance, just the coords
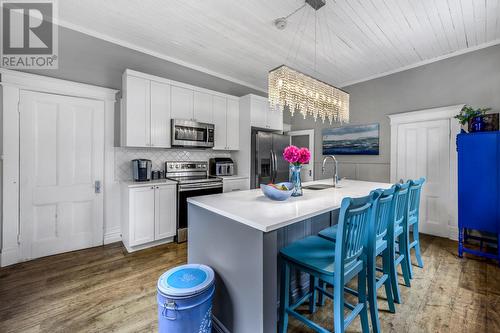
(472, 78)
(87, 59)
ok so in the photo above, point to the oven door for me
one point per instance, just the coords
(186, 191)
(187, 133)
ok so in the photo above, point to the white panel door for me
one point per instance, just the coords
(160, 115)
(142, 215)
(304, 138)
(165, 211)
(202, 109)
(423, 151)
(138, 122)
(182, 103)
(61, 159)
(219, 110)
(258, 114)
(233, 124)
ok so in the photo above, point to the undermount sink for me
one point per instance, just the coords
(317, 187)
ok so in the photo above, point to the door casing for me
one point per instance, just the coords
(447, 114)
(12, 82)
(308, 169)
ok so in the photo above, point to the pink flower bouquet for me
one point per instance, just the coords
(296, 156)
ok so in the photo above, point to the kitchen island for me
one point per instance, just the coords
(239, 235)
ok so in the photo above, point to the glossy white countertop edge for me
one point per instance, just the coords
(253, 209)
(131, 183)
(233, 177)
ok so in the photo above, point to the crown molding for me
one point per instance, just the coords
(205, 70)
(43, 83)
(422, 63)
(155, 54)
(445, 112)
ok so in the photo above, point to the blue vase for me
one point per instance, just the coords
(295, 179)
(477, 124)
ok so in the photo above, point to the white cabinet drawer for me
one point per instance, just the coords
(232, 185)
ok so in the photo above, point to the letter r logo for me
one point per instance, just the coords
(27, 27)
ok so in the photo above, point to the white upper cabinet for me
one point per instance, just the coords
(275, 120)
(226, 118)
(219, 117)
(160, 115)
(202, 110)
(233, 124)
(260, 114)
(149, 104)
(136, 116)
(182, 103)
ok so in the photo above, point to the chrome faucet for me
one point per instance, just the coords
(335, 175)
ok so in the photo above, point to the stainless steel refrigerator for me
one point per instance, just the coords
(268, 164)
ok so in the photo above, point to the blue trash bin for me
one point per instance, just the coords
(185, 296)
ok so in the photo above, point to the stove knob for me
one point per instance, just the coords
(177, 166)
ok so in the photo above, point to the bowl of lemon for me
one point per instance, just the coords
(278, 192)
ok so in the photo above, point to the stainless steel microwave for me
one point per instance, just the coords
(187, 133)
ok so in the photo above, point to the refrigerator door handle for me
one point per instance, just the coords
(271, 171)
(275, 162)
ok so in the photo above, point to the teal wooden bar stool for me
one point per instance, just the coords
(413, 220)
(335, 263)
(398, 239)
(378, 245)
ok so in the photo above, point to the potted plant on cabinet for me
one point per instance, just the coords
(472, 117)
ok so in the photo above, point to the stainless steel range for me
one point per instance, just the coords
(192, 180)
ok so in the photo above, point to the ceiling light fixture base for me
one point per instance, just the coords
(316, 4)
(280, 23)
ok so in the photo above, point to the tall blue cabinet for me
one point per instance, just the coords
(478, 191)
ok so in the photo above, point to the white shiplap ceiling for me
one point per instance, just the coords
(236, 39)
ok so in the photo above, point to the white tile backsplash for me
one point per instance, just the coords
(123, 156)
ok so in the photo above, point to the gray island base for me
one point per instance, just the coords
(239, 235)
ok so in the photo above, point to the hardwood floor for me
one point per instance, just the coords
(105, 289)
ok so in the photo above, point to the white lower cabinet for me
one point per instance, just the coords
(149, 214)
(236, 184)
(165, 211)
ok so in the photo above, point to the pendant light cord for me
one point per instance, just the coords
(295, 11)
(315, 40)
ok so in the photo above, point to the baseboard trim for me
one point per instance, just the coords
(218, 327)
(147, 245)
(9, 256)
(453, 233)
(112, 236)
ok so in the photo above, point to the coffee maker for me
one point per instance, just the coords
(141, 169)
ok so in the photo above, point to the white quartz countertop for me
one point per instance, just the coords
(255, 210)
(233, 177)
(153, 182)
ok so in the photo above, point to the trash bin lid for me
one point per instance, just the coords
(186, 280)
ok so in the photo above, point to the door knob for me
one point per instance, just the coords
(97, 186)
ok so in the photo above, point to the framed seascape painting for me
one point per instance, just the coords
(351, 140)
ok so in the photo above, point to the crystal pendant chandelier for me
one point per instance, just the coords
(294, 91)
